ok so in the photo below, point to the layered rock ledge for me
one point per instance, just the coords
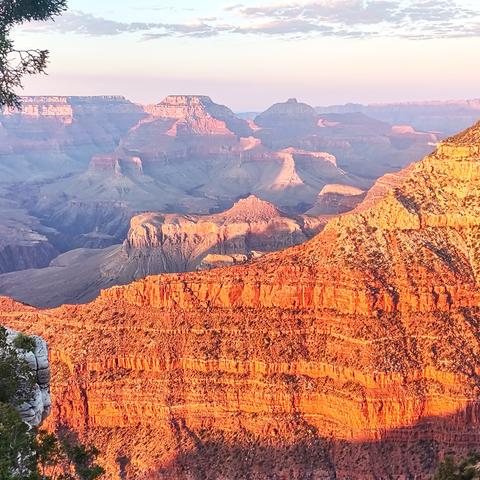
(354, 355)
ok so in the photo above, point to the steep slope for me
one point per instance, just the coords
(354, 355)
(190, 155)
(23, 240)
(335, 199)
(94, 208)
(83, 166)
(197, 114)
(251, 224)
(158, 243)
(48, 139)
(283, 116)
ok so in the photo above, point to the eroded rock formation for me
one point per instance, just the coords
(23, 240)
(55, 136)
(179, 243)
(363, 146)
(354, 355)
(158, 243)
(336, 199)
(199, 115)
(81, 167)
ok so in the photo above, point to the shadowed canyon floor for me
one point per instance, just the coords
(353, 355)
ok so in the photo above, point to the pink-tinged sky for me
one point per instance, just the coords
(251, 54)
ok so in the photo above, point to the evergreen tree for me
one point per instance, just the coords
(14, 63)
(16, 378)
(17, 446)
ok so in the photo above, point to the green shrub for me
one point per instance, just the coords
(24, 342)
(466, 469)
(16, 377)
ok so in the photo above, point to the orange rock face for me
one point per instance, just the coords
(355, 355)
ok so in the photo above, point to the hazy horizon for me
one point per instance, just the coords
(252, 110)
(253, 54)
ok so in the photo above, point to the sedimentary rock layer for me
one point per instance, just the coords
(445, 117)
(158, 243)
(354, 355)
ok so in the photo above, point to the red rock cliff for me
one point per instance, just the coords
(354, 355)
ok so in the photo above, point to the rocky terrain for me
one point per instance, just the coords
(75, 170)
(199, 115)
(363, 146)
(443, 117)
(354, 355)
(53, 136)
(50, 138)
(158, 243)
(23, 240)
(36, 409)
(336, 199)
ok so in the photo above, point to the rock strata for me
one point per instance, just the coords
(199, 115)
(55, 136)
(158, 243)
(336, 199)
(354, 355)
(23, 240)
(83, 166)
(444, 117)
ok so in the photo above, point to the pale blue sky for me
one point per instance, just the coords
(249, 54)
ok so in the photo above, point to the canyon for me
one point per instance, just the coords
(353, 355)
(75, 171)
(158, 243)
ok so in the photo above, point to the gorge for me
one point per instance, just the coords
(353, 355)
(76, 171)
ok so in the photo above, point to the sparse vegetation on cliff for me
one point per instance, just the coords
(17, 441)
(24, 342)
(466, 469)
(16, 378)
(65, 460)
(26, 453)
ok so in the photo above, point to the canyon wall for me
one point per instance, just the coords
(24, 241)
(354, 355)
(53, 136)
(47, 141)
(444, 117)
(77, 169)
